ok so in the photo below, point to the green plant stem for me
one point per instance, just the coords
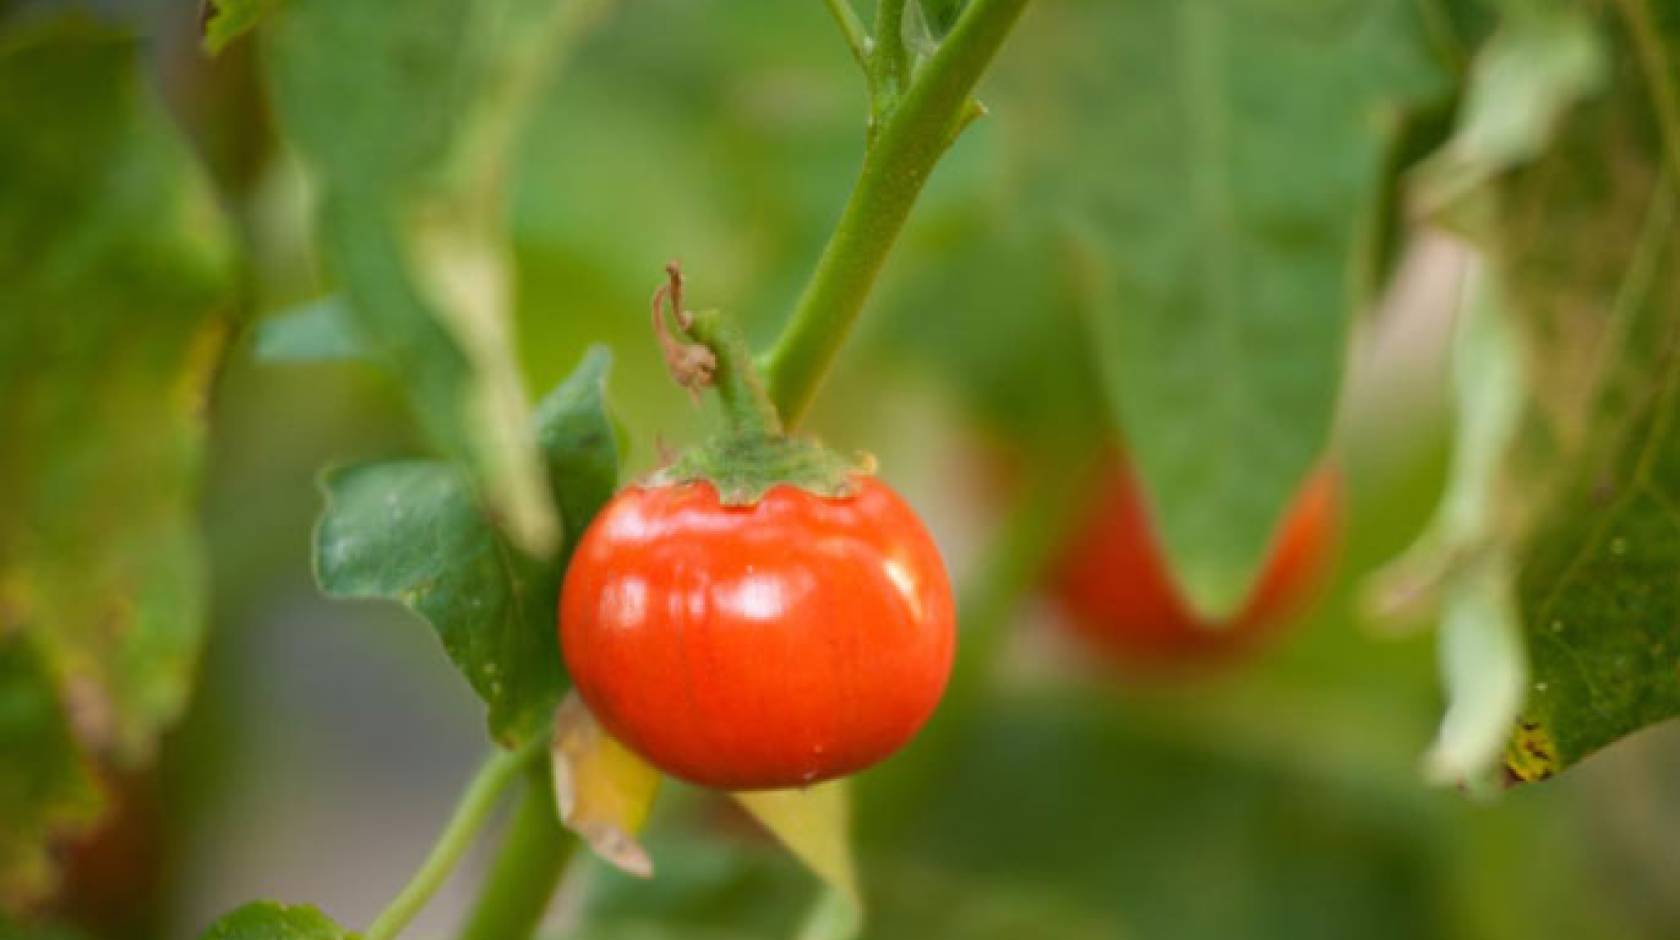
(852, 28)
(746, 404)
(889, 65)
(527, 868)
(501, 769)
(900, 158)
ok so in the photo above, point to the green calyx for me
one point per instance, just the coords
(753, 453)
(743, 467)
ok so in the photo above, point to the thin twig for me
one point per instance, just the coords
(851, 26)
(487, 785)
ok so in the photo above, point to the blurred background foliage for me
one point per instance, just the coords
(1051, 797)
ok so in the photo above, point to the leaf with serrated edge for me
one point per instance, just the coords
(602, 790)
(267, 920)
(1219, 216)
(412, 531)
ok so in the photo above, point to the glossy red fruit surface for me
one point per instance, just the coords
(1116, 589)
(798, 639)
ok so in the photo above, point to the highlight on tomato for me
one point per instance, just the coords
(1115, 589)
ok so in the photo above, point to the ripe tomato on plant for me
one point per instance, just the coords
(763, 612)
(798, 639)
(1116, 590)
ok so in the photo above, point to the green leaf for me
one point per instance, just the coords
(408, 120)
(413, 532)
(117, 277)
(227, 20)
(1588, 249)
(1221, 209)
(318, 331)
(267, 920)
(992, 312)
(45, 785)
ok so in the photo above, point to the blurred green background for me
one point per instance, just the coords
(1278, 797)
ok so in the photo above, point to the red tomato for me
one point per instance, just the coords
(792, 641)
(1116, 589)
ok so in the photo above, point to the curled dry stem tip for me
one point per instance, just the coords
(692, 365)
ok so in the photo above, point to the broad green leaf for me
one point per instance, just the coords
(414, 532)
(227, 20)
(993, 313)
(317, 331)
(603, 791)
(1588, 251)
(408, 119)
(267, 920)
(1219, 164)
(117, 277)
(45, 784)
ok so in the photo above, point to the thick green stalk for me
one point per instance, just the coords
(487, 785)
(901, 156)
(526, 870)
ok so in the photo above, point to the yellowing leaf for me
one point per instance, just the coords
(602, 789)
(118, 277)
(814, 824)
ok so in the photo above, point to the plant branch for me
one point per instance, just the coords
(492, 778)
(527, 868)
(900, 158)
(852, 28)
(889, 67)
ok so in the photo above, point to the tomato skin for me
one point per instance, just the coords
(796, 640)
(1117, 591)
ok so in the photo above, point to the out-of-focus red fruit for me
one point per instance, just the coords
(1115, 588)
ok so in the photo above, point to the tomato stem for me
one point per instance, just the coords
(526, 869)
(746, 404)
(719, 358)
(903, 149)
(500, 770)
